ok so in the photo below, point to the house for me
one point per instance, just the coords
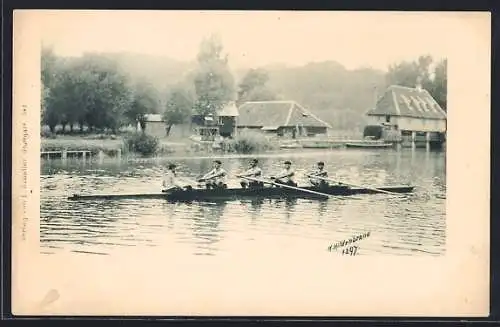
(227, 117)
(154, 125)
(411, 111)
(283, 118)
(223, 124)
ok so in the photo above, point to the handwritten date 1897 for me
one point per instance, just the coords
(350, 250)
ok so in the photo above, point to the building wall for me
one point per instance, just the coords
(412, 124)
(227, 125)
(289, 131)
(159, 129)
(156, 129)
(181, 131)
(312, 131)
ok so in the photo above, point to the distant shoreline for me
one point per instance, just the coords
(180, 149)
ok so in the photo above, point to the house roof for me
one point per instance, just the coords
(408, 102)
(277, 113)
(229, 110)
(153, 118)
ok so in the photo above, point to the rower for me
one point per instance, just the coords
(172, 181)
(215, 178)
(253, 171)
(319, 172)
(285, 176)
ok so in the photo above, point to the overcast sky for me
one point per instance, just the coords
(355, 39)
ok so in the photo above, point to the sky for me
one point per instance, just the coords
(252, 39)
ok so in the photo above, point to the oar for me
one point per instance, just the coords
(361, 186)
(288, 186)
(191, 181)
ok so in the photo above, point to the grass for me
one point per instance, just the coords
(245, 142)
(248, 141)
(67, 142)
(95, 144)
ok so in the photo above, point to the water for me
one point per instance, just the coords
(413, 225)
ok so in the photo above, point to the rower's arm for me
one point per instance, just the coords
(288, 174)
(214, 175)
(208, 175)
(251, 172)
(220, 174)
(318, 174)
(244, 174)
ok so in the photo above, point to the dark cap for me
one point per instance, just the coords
(288, 162)
(321, 163)
(255, 161)
(172, 166)
(218, 162)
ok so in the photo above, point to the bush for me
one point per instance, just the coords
(46, 133)
(248, 142)
(142, 143)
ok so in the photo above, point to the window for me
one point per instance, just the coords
(407, 102)
(416, 103)
(387, 119)
(431, 104)
(423, 104)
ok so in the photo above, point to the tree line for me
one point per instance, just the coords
(95, 92)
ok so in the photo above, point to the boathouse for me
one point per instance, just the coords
(223, 123)
(154, 125)
(413, 112)
(286, 119)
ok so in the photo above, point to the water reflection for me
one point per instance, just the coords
(255, 208)
(404, 226)
(205, 228)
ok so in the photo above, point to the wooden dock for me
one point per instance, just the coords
(80, 154)
(65, 154)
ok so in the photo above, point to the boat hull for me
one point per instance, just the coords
(369, 146)
(238, 193)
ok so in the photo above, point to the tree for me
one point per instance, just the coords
(88, 90)
(253, 87)
(48, 74)
(178, 108)
(440, 84)
(407, 73)
(435, 81)
(213, 81)
(144, 101)
(110, 92)
(48, 62)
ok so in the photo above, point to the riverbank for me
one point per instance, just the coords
(115, 145)
(108, 145)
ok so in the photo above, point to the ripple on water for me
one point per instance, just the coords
(398, 226)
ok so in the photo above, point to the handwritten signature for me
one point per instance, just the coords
(347, 245)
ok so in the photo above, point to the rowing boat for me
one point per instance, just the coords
(369, 145)
(238, 193)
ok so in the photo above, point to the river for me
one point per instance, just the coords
(413, 225)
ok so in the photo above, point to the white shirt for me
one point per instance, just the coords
(171, 180)
(317, 172)
(253, 172)
(286, 175)
(216, 171)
